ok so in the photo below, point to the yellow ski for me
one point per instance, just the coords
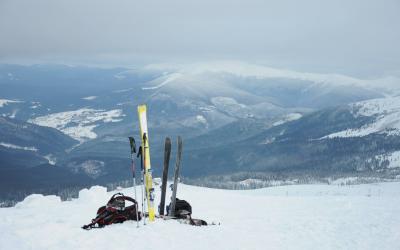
(144, 135)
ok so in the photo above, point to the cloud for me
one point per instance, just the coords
(325, 35)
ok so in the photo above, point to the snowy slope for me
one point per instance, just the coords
(79, 124)
(386, 114)
(4, 102)
(390, 160)
(9, 145)
(286, 217)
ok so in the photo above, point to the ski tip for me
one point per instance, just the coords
(142, 107)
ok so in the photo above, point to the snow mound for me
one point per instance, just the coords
(39, 201)
(95, 194)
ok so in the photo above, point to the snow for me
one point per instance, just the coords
(250, 182)
(206, 109)
(13, 113)
(165, 80)
(51, 159)
(393, 159)
(35, 105)
(286, 217)
(81, 133)
(79, 124)
(388, 84)
(288, 118)
(195, 121)
(123, 90)
(201, 119)
(13, 146)
(92, 168)
(268, 141)
(119, 76)
(231, 106)
(386, 113)
(89, 98)
(4, 102)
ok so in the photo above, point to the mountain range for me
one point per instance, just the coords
(73, 122)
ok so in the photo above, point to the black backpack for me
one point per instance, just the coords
(115, 212)
(183, 212)
(182, 208)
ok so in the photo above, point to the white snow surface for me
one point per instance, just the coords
(165, 80)
(386, 113)
(201, 119)
(231, 106)
(288, 118)
(393, 159)
(79, 124)
(4, 102)
(92, 168)
(286, 217)
(13, 146)
(89, 98)
(51, 159)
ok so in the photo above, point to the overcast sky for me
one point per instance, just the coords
(359, 37)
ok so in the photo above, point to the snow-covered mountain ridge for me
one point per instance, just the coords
(386, 84)
(386, 114)
(214, 106)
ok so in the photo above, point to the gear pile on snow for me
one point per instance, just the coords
(115, 212)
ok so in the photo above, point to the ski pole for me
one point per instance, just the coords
(134, 184)
(133, 150)
(142, 184)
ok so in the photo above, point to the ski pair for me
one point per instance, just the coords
(167, 153)
(144, 151)
(146, 172)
